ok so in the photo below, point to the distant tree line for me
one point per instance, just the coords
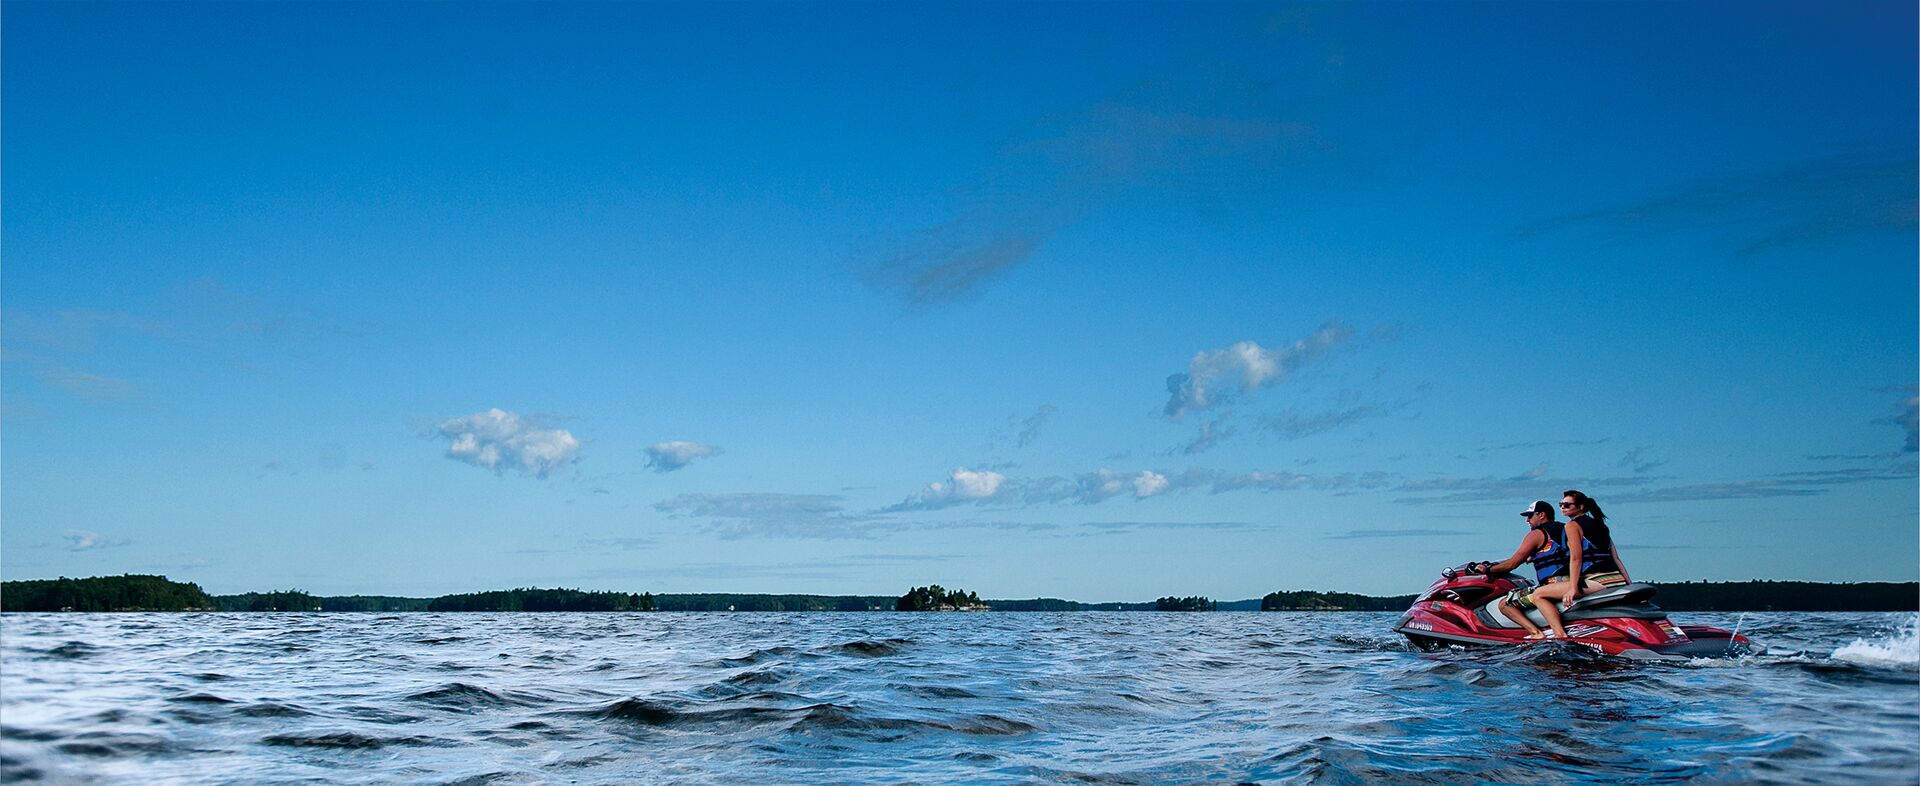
(531, 599)
(1191, 603)
(133, 592)
(284, 600)
(936, 598)
(1332, 601)
(129, 592)
(739, 602)
(372, 603)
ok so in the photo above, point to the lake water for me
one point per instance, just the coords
(931, 698)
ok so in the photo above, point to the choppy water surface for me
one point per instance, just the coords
(922, 698)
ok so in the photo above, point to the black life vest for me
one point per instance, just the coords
(1596, 546)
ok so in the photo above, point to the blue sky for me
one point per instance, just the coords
(1089, 301)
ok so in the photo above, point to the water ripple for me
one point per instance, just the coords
(931, 698)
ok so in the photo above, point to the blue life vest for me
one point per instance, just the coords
(1596, 547)
(1551, 558)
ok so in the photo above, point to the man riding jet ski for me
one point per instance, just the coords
(1462, 607)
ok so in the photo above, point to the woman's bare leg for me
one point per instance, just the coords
(1520, 617)
(1544, 599)
(1552, 615)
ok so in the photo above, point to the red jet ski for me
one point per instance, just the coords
(1461, 608)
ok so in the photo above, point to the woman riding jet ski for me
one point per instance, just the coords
(1462, 608)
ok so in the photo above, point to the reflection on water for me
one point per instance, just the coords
(919, 698)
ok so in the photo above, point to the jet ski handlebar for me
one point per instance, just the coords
(1469, 569)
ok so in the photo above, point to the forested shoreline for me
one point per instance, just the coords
(158, 593)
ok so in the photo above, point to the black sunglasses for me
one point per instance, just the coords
(1566, 504)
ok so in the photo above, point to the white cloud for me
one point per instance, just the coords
(499, 440)
(986, 487)
(82, 540)
(669, 456)
(962, 486)
(1217, 376)
(969, 484)
(1104, 484)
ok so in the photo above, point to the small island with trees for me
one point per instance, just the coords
(1192, 603)
(937, 598)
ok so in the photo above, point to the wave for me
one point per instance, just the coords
(840, 718)
(874, 700)
(869, 648)
(201, 698)
(347, 740)
(767, 676)
(1899, 648)
(756, 656)
(109, 745)
(272, 709)
(646, 712)
(461, 695)
(71, 650)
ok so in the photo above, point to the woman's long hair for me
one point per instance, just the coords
(1587, 504)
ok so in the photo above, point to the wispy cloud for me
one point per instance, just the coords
(1798, 203)
(1030, 428)
(274, 468)
(1399, 533)
(1638, 462)
(1550, 443)
(77, 329)
(1115, 527)
(92, 387)
(952, 261)
(774, 515)
(621, 544)
(1180, 129)
(1212, 433)
(1524, 486)
(1220, 483)
(87, 540)
(1291, 425)
(814, 569)
(669, 456)
(1786, 484)
(499, 440)
(750, 505)
(1907, 416)
(1104, 484)
(1218, 376)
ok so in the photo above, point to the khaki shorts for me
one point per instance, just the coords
(1522, 599)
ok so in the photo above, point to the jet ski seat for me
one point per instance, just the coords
(1597, 605)
(1623, 595)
